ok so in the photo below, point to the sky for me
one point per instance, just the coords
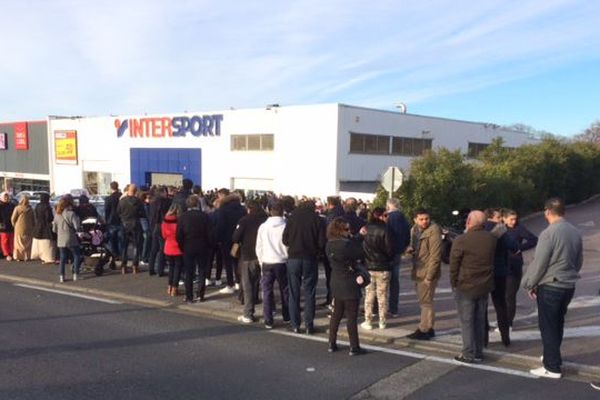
(498, 61)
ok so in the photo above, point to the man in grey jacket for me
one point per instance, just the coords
(550, 279)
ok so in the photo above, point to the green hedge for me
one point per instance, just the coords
(520, 178)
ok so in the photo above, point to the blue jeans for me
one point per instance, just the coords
(472, 312)
(147, 246)
(133, 236)
(156, 260)
(270, 274)
(552, 305)
(394, 296)
(302, 271)
(64, 254)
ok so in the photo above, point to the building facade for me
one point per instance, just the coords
(313, 150)
(24, 156)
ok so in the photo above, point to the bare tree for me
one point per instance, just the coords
(591, 134)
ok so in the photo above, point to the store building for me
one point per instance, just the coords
(24, 162)
(314, 150)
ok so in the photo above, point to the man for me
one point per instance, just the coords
(245, 235)
(304, 235)
(182, 195)
(272, 256)
(227, 217)
(550, 279)
(426, 249)
(356, 223)
(400, 231)
(505, 247)
(158, 209)
(194, 236)
(130, 211)
(472, 279)
(113, 223)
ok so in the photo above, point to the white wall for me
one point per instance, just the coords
(447, 133)
(303, 161)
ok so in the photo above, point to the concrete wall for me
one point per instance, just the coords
(32, 161)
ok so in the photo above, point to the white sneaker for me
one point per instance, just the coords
(227, 290)
(61, 279)
(218, 282)
(181, 282)
(237, 286)
(245, 320)
(74, 277)
(382, 325)
(595, 385)
(207, 282)
(366, 325)
(544, 373)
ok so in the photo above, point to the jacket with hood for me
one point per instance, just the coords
(227, 217)
(269, 242)
(169, 233)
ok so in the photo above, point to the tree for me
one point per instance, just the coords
(590, 134)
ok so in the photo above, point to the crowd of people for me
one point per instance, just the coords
(271, 239)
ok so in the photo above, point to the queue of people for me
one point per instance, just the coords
(270, 239)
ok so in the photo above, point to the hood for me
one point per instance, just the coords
(170, 219)
(230, 200)
(498, 230)
(275, 221)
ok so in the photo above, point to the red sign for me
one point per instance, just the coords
(21, 137)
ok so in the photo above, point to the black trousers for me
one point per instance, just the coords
(499, 300)
(194, 262)
(513, 282)
(175, 263)
(327, 268)
(348, 308)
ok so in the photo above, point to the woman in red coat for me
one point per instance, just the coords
(173, 253)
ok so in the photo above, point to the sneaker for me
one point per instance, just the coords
(382, 325)
(464, 360)
(366, 325)
(218, 282)
(595, 385)
(237, 286)
(61, 279)
(9, 258)
(227, 290)
(542, 372)
(207, 282)
(181, 282)
(74, 277)
(418, 335)
(268, 325)
(245, 320)
(143, 263)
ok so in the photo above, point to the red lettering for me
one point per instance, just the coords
(155, 126)
(136, 129)
(166, 127)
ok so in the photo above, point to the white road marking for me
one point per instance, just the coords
(81, 296)
(418, 356)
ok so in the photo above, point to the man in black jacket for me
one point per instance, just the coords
(113, 222)
(245, 234)
(130, 211)
(227, 217)
(182, 195)
(304, 235)
(194, 237)
(158, 209)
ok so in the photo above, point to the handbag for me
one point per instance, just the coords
(235, 250)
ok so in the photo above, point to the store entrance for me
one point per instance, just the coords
(165, 166)
(162, 179)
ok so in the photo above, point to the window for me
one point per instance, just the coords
(256, 142)
(476, 148)
(369, 144)
(410, 147)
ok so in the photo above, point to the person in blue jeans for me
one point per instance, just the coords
(400, 232)
(304, 235)
(550, 280)
(66, 224)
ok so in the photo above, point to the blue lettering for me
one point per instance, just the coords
(217, 122)
(207, 128)
(196, 125)
(180, 126)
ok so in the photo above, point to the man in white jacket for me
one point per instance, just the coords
(272, 256)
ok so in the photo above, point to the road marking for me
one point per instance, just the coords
(418, 356)
(81, 296)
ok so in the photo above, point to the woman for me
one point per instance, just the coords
(343, 253)
(379, 257)
(526, 241)
(43, 237)
(173, 253)
(23, 220)
(66, 224)
(7, 231)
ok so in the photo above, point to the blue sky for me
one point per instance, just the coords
(500, 61)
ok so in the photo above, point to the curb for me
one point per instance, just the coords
(523, 362)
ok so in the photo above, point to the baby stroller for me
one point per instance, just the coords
(94, 250)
